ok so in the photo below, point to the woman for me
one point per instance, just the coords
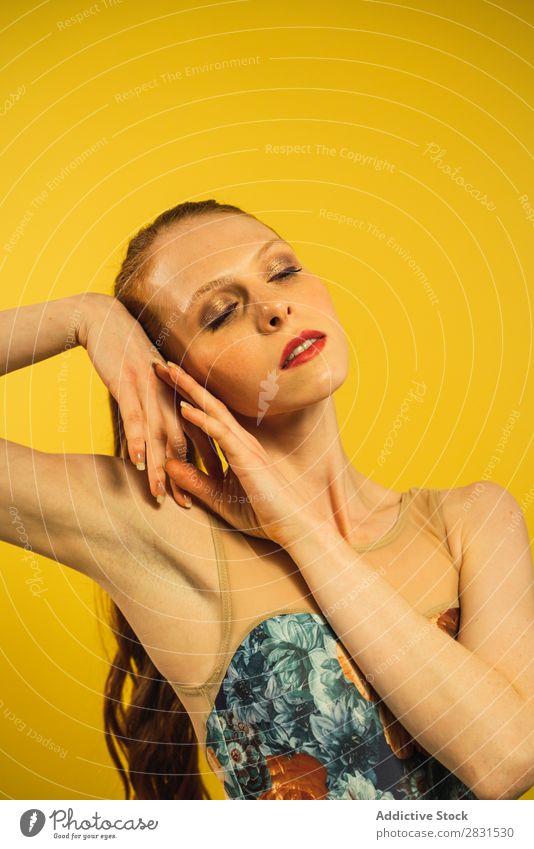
(296, 620)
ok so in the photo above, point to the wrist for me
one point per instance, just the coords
(90, 306)
(309, 538)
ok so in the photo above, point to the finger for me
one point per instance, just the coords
(205, 400)
(163, 372)
(182, 498)
(134, 430)
(227, 439)
(176, 440)
(196, 482)
(206, 449)
(156, 437)
(175, 432)
(176, 448)
(199, 395)
(156, 444)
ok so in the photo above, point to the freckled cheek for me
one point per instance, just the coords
(218, 371)
(317, 298)
(327, 319)
(236, 380)
(326, 304)
(326, 309)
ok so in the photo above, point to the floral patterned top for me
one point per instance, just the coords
(294, 718)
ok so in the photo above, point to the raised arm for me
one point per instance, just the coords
(122, 355)
(33, 333)
(66, 507)
(77, 508)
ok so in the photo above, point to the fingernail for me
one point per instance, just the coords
(161, 492)
(158, 363)
(187, 499)
(173, 365)
(139, 464)
(185, 404)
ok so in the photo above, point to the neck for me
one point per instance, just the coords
(306, 446)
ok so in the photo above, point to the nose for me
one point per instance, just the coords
(273, 314)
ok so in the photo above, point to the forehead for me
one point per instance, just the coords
(190, 253)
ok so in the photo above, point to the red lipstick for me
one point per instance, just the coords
(310, 352)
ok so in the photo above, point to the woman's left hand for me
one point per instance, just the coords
(253, 495)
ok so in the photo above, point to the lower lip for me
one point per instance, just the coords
(306, 355)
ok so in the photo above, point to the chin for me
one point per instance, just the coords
(306, 393)
(277, 393)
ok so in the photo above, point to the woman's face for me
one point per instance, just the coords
(230, 296)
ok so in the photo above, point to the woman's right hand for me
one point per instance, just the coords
(123, 357)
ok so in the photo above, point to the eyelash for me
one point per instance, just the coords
(287, 272)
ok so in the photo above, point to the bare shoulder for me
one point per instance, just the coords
(478, 505)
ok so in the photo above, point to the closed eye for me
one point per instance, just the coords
(287, 272)
(282, 275)
(213, 325)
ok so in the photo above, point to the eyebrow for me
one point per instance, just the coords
(207, 287)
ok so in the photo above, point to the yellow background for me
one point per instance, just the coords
(137, 106)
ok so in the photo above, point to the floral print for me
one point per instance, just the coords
(294, 718)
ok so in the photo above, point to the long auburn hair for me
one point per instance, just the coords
(151, 729)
